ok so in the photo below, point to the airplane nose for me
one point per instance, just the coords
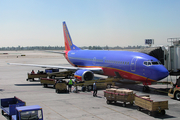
(161, 73)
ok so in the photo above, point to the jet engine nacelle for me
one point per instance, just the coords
(84, 75)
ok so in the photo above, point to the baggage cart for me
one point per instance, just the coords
(153, 107)
(61, 86)
(38, 75)
(65, 74)
(114, 95)
(100, 83)
(45, 82)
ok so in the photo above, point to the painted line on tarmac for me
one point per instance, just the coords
(54, 111)
(87, 112)
(121, 113)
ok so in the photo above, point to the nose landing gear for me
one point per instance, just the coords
(146, 88)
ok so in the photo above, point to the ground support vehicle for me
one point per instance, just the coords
(114, 95)
(38, 75)
(8, 105)
(61, 87)
(45, 82)
(175, 91)
(66, 74)
(41, 74)
(153, 107)
(15, 109)
(100, 83)
(33, 112)
(51, 73)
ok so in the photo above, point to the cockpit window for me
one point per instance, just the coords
(155, 63)
(149, 63)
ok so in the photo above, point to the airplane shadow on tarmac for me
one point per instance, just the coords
(28, 84)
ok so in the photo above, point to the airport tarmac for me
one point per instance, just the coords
(73, 106)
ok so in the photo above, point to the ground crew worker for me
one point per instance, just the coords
(32, 72)
(75, 82)
(176, 84)
(70, 83)
(94, 89)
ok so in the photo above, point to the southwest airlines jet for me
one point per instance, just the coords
(125, 64)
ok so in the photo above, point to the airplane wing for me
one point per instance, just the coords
(59, 52)
(95, 70)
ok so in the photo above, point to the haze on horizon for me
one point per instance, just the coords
(90, 22)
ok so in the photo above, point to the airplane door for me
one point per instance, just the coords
(94, 60)
(133, 64)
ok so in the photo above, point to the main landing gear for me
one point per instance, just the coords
(146, 88)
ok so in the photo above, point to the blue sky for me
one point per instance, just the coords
(90, 22)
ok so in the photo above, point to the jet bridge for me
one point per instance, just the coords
(172, 61)
(170, 56)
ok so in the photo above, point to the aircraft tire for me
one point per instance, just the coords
(2, 112)
(177, 96)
